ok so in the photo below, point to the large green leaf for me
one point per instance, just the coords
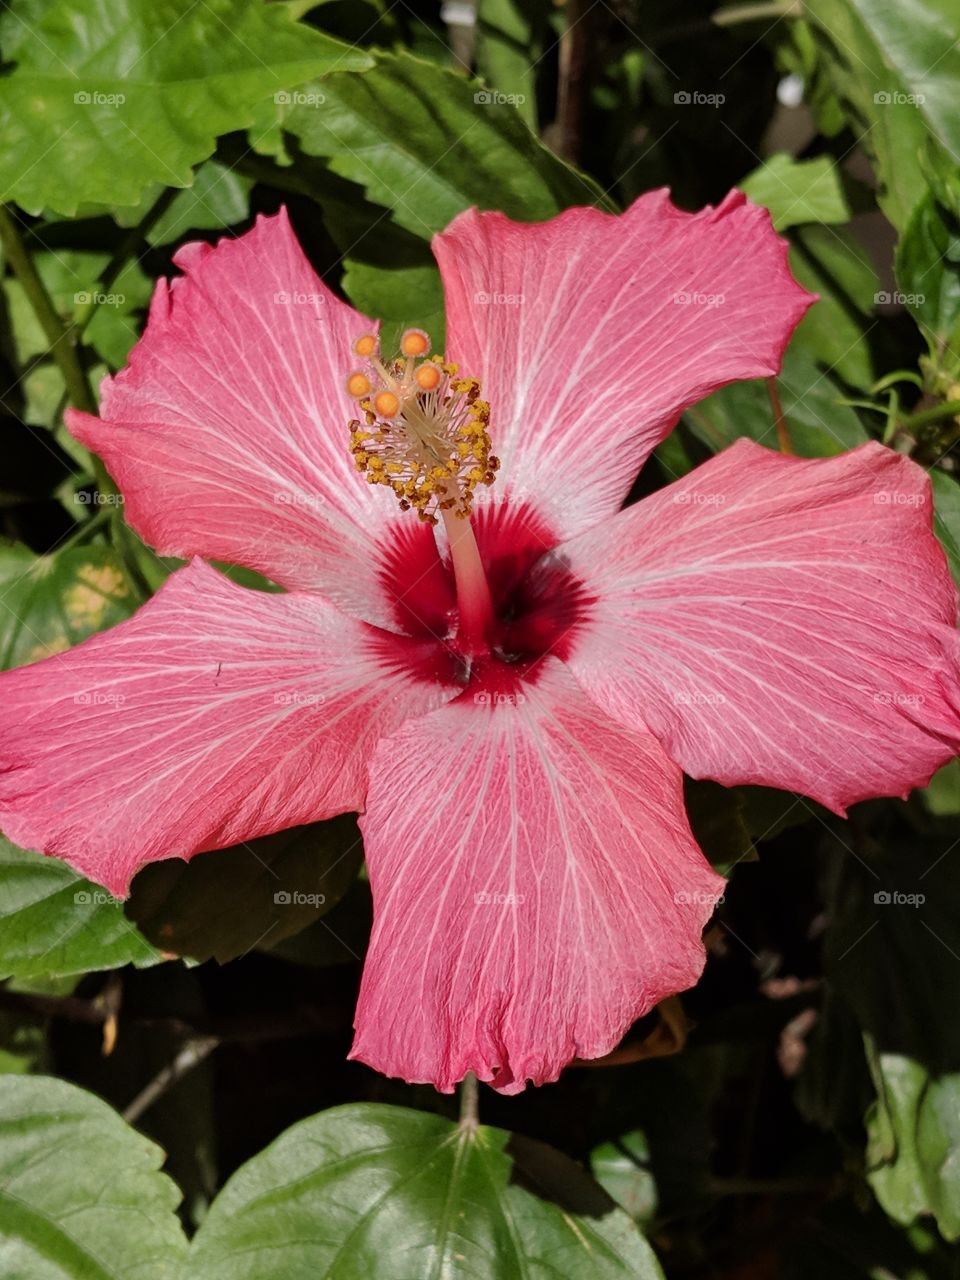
(797, 191)
(81, 1195)
(928, 272)
(425, 143)
(108, 96)
(369, 1190)
(913, 1148)
(265, 890)
(52, 921)
(819, 425)
(48, 603)
(895, 69)
(946, 518)
(831, 262)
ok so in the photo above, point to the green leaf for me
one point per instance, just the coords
(896, 74)
(265, 890)
(399, 297)
(53, 921)
(422, 141)
(797, 191)
(370, 1190)
(717, 820)
(81, 1195)
(48, 603)
(510, 45)
(218, 197)
(819, 426)
(928, 273)
(623, 1169)
(946, 516)
(893, 938)
(834, 264)
(913, 1141)
(109, 96)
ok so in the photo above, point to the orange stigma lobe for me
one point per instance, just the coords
(414, 343)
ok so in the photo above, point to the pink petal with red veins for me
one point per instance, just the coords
(592, 332)
(780, 621)
(227, 432)
(214, 715)
(536, 888)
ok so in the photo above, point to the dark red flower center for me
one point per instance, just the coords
(538, 603)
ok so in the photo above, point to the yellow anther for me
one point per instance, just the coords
(428, 377)
(387, 404)
(424, 430)
(414, 343)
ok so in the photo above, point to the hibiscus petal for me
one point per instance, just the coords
(780, 621)
(591, 333)
(227, 431)
(536, 888)
(214, 715)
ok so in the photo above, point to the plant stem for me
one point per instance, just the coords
(127, 247)
(949, 409)
(84, 531)
(574, 63)
(469, 1102)
(190, 1056)
(62, 337)
(779, 421)
(733, 15)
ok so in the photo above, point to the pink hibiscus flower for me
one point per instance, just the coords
(509, 698)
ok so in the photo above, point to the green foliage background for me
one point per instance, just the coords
(174, 1095)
